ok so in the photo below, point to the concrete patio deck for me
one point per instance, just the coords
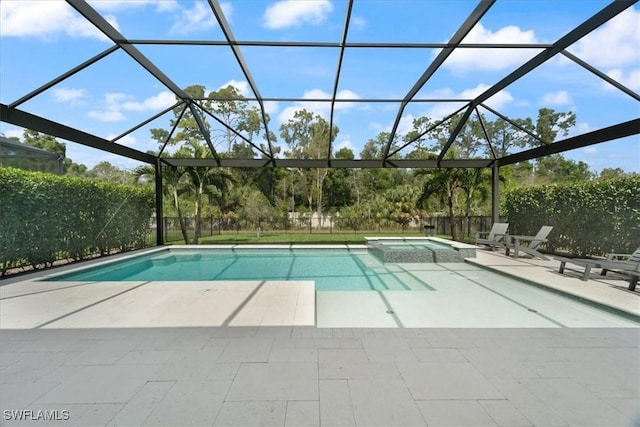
(76, 369)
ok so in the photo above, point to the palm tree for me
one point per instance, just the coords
(173, 186)
(475, 183)
(212, 182)
(442, 183)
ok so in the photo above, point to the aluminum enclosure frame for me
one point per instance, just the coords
(13, 114)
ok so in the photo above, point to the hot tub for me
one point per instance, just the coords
(418, 249)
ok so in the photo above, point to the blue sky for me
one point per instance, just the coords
(41, 40)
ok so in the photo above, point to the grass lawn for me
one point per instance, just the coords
(298, 237)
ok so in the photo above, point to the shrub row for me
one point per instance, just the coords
(591, 218)
(45, 217)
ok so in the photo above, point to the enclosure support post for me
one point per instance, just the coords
(495, 192)
(159, 215)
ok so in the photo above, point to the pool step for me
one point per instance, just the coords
(391, 282)
(412, 282)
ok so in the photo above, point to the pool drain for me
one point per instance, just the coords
(532, 310)
(390, 312)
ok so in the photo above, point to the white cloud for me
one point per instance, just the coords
(115, 103)
(294, 13)
(346, 94)
(630, 79)
(158, 102)
(560, 97)
(579, 129)
(271, 107)
(344, 143)
(439, 111)
(118, 5)
(497, 101)
(468, 59)
(590, 151)
(227, 9)
(317, 107)
(18, 133)
(406, 124)
(128, 140)
(376, 126)
(106, 115)
(68, 95)
(615, 44)
(358, 23)
(45, 19)
(241, 86)
(198, 18)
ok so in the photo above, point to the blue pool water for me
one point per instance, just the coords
(335, 269)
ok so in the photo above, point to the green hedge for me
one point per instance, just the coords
(44, 218)
(591, 218)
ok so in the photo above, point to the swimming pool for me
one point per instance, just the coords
(353, 288)
(331, 269)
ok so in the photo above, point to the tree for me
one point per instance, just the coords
(557, 169)
(504, 136)
(105, 171)
(613, 173)
(173, 186)
(378, 180)
(475, 183)
(551, 123)
(205, 181)
(231, 107)
(308, 137)
(402, 204)
(341, 184)
(256, 205)
(469, 142)
(45, 142)
(442, 184)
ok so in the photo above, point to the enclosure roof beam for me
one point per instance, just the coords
(226, 29)
(600, 18)
(335, 45)
(335, 163)
(108, 30)
(456, 39)
(514, 124)
(345, 32)
(455, 132)
(64, 76)
(31, 121)
(602, 75)
(203, 130)
(621, 130)
(234, 131)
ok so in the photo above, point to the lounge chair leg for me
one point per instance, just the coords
(587, 272)
(632, 283)
(603, 272)
(562, 264)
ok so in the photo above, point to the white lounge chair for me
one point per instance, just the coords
(528, 244)
(629, 266)
(495, 237)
